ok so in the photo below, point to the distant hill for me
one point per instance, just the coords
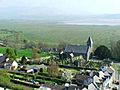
(107, 16)
(107, 19)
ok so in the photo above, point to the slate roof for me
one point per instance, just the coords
(58, 87)
(82, 49)
(41, 66)
(110, 70)
(2, 59)
(54, 87)
(75, 88)
(81, 77)
(45, 49)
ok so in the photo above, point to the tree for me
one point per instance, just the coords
(80, 62)
(115, 50)
(4, 78)
(67, 76)
(42, 45)
(10, 54)
(25, 41)
(35, 54)
(5, 41)
(16, 42)
(61, 46)
(29, 44)
(102, 52)
(53, 68)
(23, 60)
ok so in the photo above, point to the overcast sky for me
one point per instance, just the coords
(19, 8)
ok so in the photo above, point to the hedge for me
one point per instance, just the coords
(47, 78)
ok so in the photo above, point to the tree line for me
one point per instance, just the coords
(103, 52)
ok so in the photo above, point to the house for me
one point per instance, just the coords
(26, 69)
(111, 70)
(91, 87)
(44, 88)
(45, 49)
(40, 67)
(2, 44)
(75, 88)
(33, 68)
(96, 80)
(51, 87)
(83, 80)
(1, 54)
(8, 64)
(12, 65)
(105, 78)
(78, 50)
(110, 75)
(2, 61)
(58, 87)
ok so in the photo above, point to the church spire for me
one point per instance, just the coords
(90, 42)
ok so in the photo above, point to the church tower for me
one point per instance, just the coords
(90, 43)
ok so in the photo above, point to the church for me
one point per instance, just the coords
(80, 50)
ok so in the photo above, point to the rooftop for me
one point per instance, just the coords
(76, 49)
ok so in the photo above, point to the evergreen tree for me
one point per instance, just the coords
(10, 54)
(102, 52)
(23, 60)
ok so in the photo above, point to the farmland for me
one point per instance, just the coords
(52, 33)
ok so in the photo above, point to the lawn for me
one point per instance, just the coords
(5, 82)
(69, 70)
(24, 52)
(2, 49)
(40, 77)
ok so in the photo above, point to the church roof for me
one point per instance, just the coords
(2, 59)
(76, 49)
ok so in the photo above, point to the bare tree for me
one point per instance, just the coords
(35, 54)
(42, 45)
(53, 68)
(61, 45)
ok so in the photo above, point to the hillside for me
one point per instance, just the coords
(52, 33)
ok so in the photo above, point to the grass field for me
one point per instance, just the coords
(52, 34)
(26, 52)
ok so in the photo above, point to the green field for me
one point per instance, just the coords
(53, 34)
(24, 52)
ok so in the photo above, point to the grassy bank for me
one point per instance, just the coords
(5, 82)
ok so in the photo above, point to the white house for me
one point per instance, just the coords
(105, 78)
(14, 65)
(91, 87)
